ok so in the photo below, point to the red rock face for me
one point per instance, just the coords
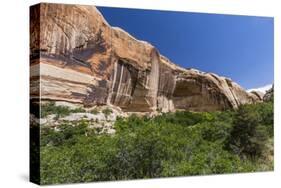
(82, 59)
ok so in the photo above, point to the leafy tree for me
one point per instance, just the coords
(172, 144)
(248, 136)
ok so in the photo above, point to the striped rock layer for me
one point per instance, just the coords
(77, 57)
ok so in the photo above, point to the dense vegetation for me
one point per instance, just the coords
(51, 108)
(172, 144)
(59, 111)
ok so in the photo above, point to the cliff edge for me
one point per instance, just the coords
(77, 57)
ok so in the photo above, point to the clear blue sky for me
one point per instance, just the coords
(238, 47)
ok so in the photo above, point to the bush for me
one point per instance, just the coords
(51, 108)
(185, 118)
(173, 144)
(78, 110)
(60, 111)
(106, 112)
(94, 111)
(252, 127)
(67, 134)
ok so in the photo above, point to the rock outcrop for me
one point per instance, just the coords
(257, 95)
(269, 95)
(78, 57)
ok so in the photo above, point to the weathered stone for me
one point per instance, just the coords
(257, 96)
(83, 60)
(85, 116)
(269, 95)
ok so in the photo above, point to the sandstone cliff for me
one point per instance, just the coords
(79, 58)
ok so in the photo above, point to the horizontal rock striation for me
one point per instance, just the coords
(82, 59)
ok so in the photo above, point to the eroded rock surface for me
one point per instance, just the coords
(257, 95)
(83, 60)
(269, 95)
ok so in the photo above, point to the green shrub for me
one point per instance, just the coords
(78, 110)
(65, 135)
(51, 108)
(217, 131)
(106, 111)
(250, 131)
(172, 144)
(94, 111)
(60, 111)
(185, 118)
